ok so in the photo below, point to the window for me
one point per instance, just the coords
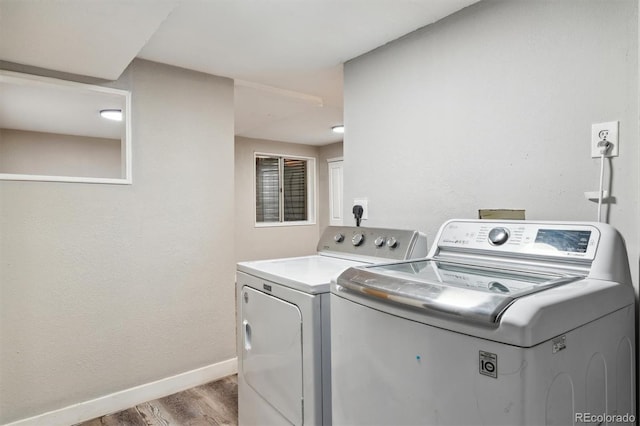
(51, 130)
(285, 190)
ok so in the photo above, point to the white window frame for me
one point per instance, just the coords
(312, 191)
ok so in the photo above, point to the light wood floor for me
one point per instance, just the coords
(214, 403)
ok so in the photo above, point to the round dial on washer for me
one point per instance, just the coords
(379, 242)
(498, 236)
(357, 239)
(392, 242)
(338, 238)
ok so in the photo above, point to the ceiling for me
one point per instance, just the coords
(285, 56)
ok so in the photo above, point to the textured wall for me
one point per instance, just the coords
(105, 287)
(492, 108)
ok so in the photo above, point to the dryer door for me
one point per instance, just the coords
(272, 351)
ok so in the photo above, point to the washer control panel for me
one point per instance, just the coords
(527, 238)
(393, 244)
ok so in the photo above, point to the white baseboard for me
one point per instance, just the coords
(130, 397)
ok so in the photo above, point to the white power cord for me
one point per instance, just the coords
(605, 146)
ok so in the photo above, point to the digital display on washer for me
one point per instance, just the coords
(570, 241)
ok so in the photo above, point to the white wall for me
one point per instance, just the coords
(52, 154)
(253, 243)
(492, 108)
(106, 287)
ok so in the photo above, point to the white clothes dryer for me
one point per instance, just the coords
(505, 323)
(283, 346)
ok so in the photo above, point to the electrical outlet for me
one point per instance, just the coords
(607, 132)
(365, 208)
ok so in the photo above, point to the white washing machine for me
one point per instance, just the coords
(284, 370)
(505, 323)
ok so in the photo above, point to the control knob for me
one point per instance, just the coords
(379, 242)
(338, 238)
(498, 236)
(357, 239)
(392, 242)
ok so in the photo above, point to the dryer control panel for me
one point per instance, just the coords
(384, 243)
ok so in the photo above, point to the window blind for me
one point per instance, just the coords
(295, 190)
(267, 189)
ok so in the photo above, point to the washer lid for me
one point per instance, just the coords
(311, 274)
(468, 292)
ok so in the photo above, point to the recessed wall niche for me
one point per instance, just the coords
(52, 130)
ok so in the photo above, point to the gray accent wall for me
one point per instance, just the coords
(268, 242)
(106, 287)
(492, 108)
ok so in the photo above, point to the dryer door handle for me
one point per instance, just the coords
(247, 335)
